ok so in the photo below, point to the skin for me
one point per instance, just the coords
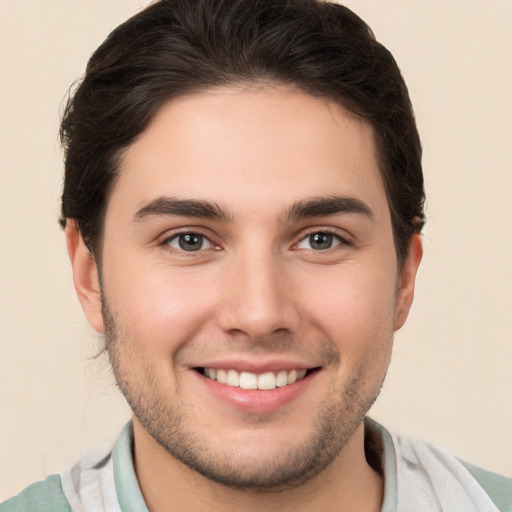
(257, 292)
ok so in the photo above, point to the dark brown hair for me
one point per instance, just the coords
(175, 47)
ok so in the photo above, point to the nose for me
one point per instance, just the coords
(259, 299)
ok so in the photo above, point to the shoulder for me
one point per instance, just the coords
(89, 484)
(498, 487)
(450, 479)
(44, 496)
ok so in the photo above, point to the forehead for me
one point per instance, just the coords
(254, 147)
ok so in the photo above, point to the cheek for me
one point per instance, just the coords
(160, 308)
(354, 306)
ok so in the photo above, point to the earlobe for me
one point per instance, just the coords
(405, 290)
(85, 276)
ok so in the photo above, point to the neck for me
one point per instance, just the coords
(347, 484)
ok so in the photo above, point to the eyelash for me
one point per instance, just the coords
(192, 232)
(328, 231)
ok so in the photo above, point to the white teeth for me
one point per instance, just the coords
(282, 379)
(248, 380)
(233, 378)
(267, 381)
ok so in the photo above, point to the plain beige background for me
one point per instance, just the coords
(451, 377)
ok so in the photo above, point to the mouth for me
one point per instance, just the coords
(263, 381)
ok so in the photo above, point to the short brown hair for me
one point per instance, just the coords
(174, 47)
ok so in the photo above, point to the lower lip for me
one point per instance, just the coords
(255, 400)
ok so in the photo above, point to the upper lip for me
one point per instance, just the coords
(257, 367)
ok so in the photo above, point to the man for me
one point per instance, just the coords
(243, 203)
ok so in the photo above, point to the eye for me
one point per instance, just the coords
(189, 242)
(319, 241)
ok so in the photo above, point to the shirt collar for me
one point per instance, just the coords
(378, 445)
(128, 491)
(380, 450)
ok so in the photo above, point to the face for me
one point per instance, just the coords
(250, 285)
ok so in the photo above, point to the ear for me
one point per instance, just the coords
(85, 276)
(406, 281)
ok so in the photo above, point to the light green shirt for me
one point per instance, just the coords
(418, 477)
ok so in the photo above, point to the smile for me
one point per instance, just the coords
(247, 380)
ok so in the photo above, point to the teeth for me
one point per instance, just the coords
(248, 380)
(267, 381)
(233, 378)
(282, 379)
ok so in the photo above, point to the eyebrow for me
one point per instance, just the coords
(324, 206)
(168, 206)
(307, 208)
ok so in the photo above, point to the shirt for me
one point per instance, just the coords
(418, 477)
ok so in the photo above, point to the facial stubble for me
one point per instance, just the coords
(337, 417)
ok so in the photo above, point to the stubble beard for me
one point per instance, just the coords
(338, 416)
